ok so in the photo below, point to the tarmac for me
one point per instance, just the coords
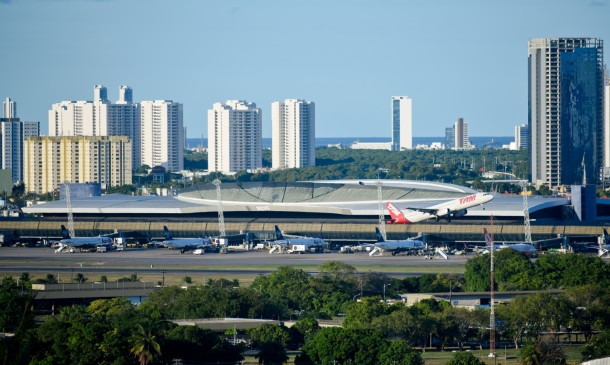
(42, 260)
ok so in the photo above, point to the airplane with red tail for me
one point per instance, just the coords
(453, 208)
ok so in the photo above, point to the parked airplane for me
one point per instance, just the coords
(68, 242)
(527, 248)
(452, 208)
(396, 246)
(295, 244)
(184, 244)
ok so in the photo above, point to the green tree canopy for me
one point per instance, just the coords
(465, 358)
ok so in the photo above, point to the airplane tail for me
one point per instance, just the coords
(395, 213)
(64, 232)
(606, 237)
(166, 234)
(278, 233)
(379, 235)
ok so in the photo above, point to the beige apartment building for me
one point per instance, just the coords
(50, 161)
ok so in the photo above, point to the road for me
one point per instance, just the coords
(43, 260)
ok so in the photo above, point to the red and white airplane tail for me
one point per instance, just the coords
(398, 217)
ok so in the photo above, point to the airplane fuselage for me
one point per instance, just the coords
(455, 207)
(299, 241)
(78, 242)
(526, 248)
(401, 246)
(186, 243)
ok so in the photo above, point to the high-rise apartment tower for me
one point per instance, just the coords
(161, 139)
(565, 116)
(13, 133)
(234, 137)
(52, 160)
(293, 123)
(607, 128)
(456, 137)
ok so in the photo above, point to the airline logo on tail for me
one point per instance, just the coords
(468, 199)
(396, 214)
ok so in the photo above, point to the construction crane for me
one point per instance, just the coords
(69, 209)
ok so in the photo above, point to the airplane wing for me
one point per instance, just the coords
(424, 210)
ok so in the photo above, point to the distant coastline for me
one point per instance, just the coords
(346, 141)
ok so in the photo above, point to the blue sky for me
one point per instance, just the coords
(454, 58)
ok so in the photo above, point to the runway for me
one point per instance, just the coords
(43, 260)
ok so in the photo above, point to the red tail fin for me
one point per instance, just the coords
(397, 215)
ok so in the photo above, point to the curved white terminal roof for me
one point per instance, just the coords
(342, 197)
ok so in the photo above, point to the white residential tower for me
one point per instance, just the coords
(293, 133)
(234, 137)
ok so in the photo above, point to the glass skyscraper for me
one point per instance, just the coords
(565, 116)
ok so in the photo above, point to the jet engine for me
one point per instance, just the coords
(459, 213)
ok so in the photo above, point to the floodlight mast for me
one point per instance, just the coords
(69, 209)
(380, 201)
(526, 213)
(221, 217)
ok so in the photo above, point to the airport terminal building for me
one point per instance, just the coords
(340, 209)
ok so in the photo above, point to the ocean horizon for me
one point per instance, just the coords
(347, 141)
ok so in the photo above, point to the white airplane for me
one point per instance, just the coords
(396, 246)
(527, 248)
(184, 244)
(68, 242)
(295, 244)
(452, 208)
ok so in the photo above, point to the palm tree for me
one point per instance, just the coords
(144, 345)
